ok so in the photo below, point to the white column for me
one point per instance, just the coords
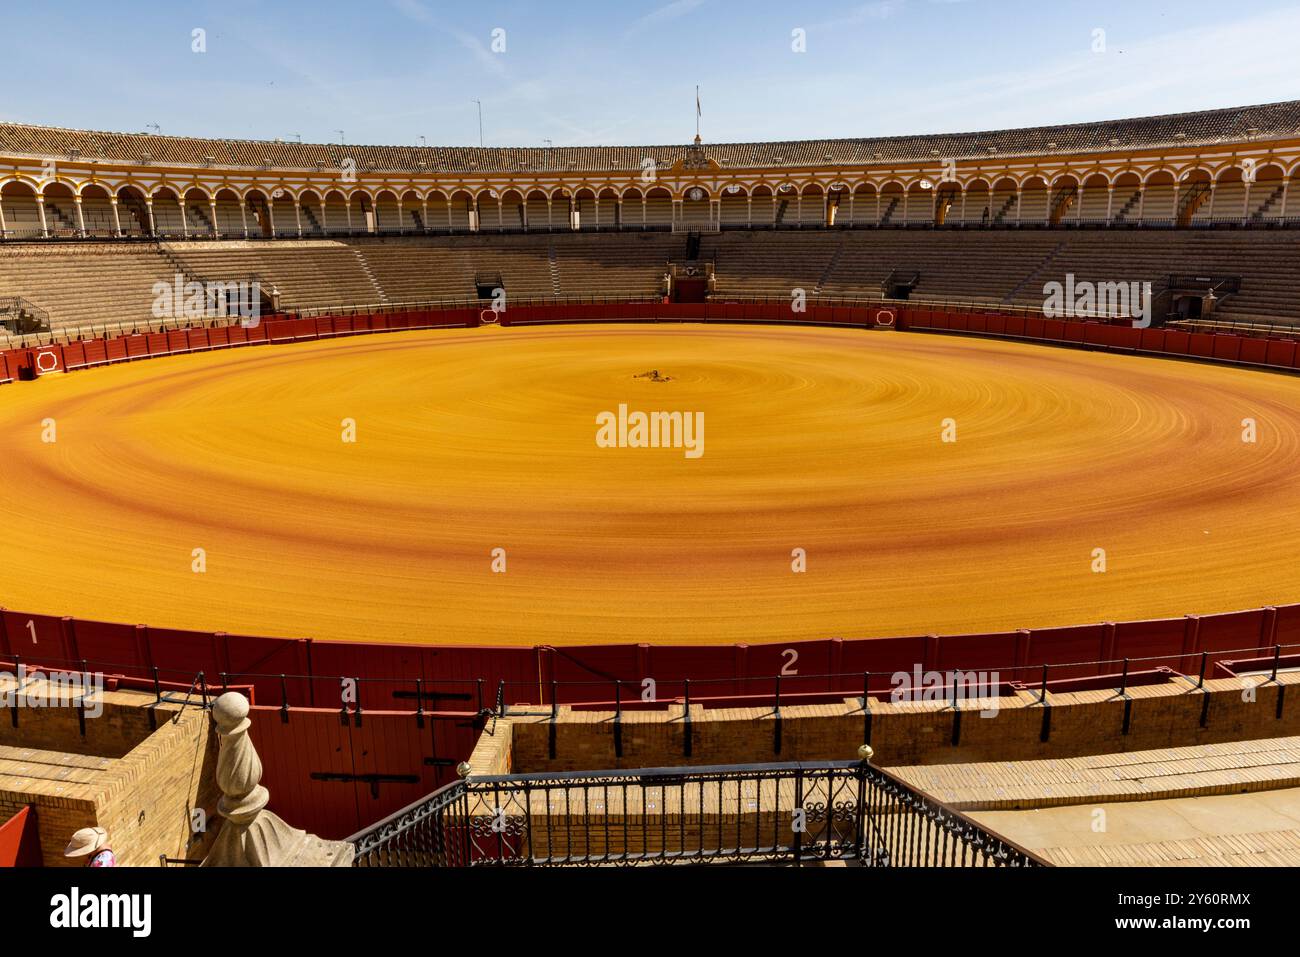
(2, 220)
(212, 211)
(1110, 201)
(243, 215)
(1142, 202)
(963, 205)
(1286, 191)
(40, 208)
(1020, 193)
(595, 205)
(501, 221)
(1078, 213)
(749, 211)
(1175, 212)
(877, 207)
(550, 223)
(643, 212)
(148, 209)
(270, 215)
(117, 221)
(297, 215)
(907, 201)
(851, 199)
(1212, 193)
(1245, 206)
(424, 213)
(81, 216)
(185, 226)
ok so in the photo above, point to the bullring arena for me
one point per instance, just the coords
(922, 558)
(826, 440)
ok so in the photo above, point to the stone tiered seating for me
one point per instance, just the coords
(1268, 263)
(309, 274)
(85, 284)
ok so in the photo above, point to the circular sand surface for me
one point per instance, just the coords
(824, 440)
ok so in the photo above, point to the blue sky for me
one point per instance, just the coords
(624, 71)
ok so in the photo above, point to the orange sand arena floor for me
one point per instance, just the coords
(822, 439)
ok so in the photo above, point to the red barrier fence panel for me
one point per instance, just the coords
(1152, 340)
(1062, 646)
(40, 639)
(883, 656)
(975, 652)
(115, 349)
(219, 337)
(1201, 344)
(20, 839)
(1253, 351)
(1227, 348)
(1015, 326)
(312, 780)
(1177, 343)
(392, 668)
(1234, 630)
(6, 374)
(197, 340)
(112, 648)
(180, 655)
(74, 355)
(46, 360)
(1281, 353)
(1287, 628)
(1165, 638)
(178, 341)
(243, 655)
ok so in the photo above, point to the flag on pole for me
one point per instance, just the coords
(697, 102)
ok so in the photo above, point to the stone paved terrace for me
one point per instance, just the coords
(1224, 768)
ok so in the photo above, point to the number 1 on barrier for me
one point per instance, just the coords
(31, 626)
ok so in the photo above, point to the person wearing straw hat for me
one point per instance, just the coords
(91, 842)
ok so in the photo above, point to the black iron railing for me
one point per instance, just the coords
(762, 813)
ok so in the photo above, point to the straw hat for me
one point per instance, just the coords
(86, 841)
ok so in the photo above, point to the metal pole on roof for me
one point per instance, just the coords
(480, 123)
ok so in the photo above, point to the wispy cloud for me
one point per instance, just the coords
(670, 11)
(419, 13)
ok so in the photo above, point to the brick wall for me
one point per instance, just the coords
(1087, 722)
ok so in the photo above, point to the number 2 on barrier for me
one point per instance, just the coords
(792, 656)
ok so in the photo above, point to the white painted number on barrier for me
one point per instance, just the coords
(791, 657)
(31, 626)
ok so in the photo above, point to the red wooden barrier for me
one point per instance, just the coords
(20, 840)
(46, 360)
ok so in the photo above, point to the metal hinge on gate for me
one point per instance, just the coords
(374, 780)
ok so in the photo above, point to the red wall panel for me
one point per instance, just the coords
(20, 840)
(1253, 350)
(1227, 347)
(46, 360)
(1201, 344)
(1178, 343)
(74, 355)
(1280, 353)
(1162, 639)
